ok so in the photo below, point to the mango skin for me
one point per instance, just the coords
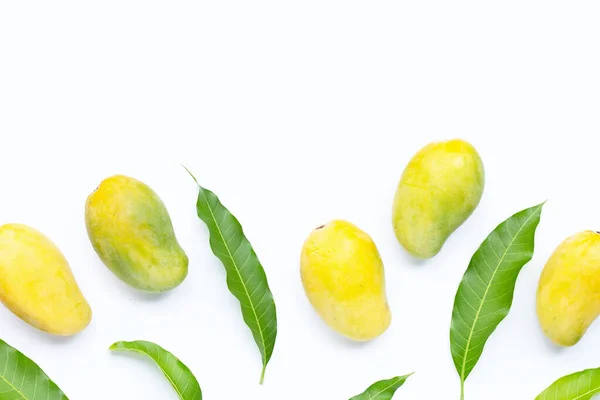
(132, 233)
(36, 282)
(343, 278)
(439, 189)
(568, 295)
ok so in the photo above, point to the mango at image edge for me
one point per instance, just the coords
(37, 284)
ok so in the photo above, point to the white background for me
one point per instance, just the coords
(296, 113)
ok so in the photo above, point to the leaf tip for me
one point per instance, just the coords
(540, 206)
(403, 378)
(192, 175)
(120, 345)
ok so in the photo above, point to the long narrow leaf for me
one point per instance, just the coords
(382, 390)
(22, 379)
(485, 294)
(582, 385)
(246, 278)
(181, 378)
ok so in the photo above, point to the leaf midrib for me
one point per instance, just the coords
(262, 337)
(13, 386)
(179, 393)
(140, 351)
(594, 391)
(386, 388)
(464, 363)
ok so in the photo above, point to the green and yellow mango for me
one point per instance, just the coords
(37, 284)
(439, 189)
(132, 233)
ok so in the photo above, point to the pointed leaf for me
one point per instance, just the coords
(180, 376)
(582, 385)
(382, 390)
(485, 294)
(246, 278)
(23, 379)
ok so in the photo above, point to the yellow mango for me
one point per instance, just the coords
(568, 295)
(343, 277)
(132, 233)
(439, 189)
(36, 282)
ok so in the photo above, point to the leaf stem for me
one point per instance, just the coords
(462, 389)
(262, 374)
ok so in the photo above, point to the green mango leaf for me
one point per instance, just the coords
(23, 379)
(246, 278)
(582, 385)
(382, 390)
(485, 294)
(180, 376)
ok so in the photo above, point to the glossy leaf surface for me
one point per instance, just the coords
(485, 294)
(582, 385)
(246, 278)
(181, 378)
(382, 390)
(22, 379)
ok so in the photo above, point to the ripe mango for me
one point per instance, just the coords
(132, 233)
(568, 296)
(36, 282)
(343, 277)
(439, 189)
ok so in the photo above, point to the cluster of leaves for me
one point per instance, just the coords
(23, 379)
(483, 299)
